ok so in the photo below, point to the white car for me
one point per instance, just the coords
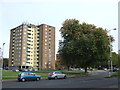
(105, 69)
(56, 75)
(15, 70)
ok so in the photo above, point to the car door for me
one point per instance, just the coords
(26, 76)
(57, 74)
(31, 76)
(61, 75)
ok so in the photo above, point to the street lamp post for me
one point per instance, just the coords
(3, 56)
(1, 59)
(110, 57)
(1, 68)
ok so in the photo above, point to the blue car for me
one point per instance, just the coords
(25, 76)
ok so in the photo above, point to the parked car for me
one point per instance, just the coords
(105, 69)
(117, 69)
(56, 75)
(35, 69)
(113, 70)
(15, 70)
(25, 76)
(81, 69)
(23, 69)
(30, 69)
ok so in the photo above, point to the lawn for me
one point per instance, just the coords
(116, 74)
(7, 74)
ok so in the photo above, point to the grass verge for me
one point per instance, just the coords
(116, 74)
(8, 74)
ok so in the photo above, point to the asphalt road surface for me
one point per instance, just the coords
(95, 80)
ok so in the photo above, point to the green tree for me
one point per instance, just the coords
(115, 58)
(84, 44)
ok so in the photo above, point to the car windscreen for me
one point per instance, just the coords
(51, 73)
(58, 73)
(32, 74)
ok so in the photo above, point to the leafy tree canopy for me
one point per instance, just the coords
(84, 44)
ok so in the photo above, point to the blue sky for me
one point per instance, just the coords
(102, 13)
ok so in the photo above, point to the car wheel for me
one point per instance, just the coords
(23, 79)
(37, 79)
(49, 78)
(65, 77)
(55, 77)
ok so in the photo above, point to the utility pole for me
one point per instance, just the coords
(110, 57)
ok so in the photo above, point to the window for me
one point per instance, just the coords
(24, 47)
(45, 36)
(25, 33)
(45, 43)
(45, 40)
(49, 33)
(25, 29)
(45, 32)
(49, 66)
(49, 55)
(45, 63)
(24, 44)
(57, 73)
(49, 39)
(45, 47)
(49, 52)
(31, 74)
(23, 62)
(26, 73)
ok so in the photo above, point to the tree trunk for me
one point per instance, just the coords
(85, 69)
(68, 68)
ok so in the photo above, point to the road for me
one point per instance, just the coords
(95, 80)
